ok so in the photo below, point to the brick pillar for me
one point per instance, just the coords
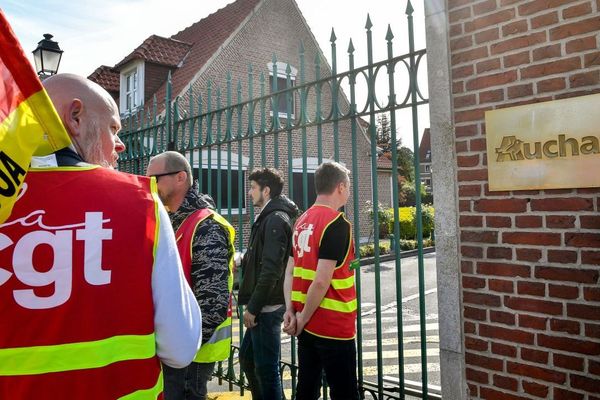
(529, 260)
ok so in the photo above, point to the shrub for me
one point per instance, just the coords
(408, 229)
(412, 244)
(368, 250)
(428, 214)
(407, 195)
(408, 225)
(385, 216)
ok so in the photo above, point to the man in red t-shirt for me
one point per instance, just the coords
(320, 292)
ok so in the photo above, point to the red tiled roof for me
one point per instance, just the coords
(425, 147)
(206, 37)
(189, 49)
(106, 77)
(159, 50)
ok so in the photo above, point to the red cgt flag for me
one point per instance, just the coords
(29, 124)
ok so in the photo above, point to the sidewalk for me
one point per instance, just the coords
(221, 392)
(228, 396)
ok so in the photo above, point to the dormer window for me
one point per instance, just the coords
(131, 91)
(132, 88)
(282, 84)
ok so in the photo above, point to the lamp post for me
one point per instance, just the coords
(47, 57)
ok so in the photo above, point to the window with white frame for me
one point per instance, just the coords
(282, 84)
(215, 170)
(132, 87)
(427, 168)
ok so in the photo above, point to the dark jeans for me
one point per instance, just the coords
(336, 357)
(259, 356)
(187, 383)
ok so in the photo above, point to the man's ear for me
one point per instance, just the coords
(73, 117)
(267, 190)
(181, 176)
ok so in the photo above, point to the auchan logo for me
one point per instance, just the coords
(514, 149)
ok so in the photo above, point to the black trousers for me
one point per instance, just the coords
(337, 358)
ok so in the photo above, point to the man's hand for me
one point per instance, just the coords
(300, 323)
(249, 319)
(237, 258)
(289, 322)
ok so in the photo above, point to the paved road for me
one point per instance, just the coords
(411, 324)
(410, 315)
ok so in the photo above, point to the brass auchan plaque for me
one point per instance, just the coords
(549, 145)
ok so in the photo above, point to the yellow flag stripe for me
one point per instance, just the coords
(20, 135)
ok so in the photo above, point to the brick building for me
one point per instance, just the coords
(518, 270)
(242, 34)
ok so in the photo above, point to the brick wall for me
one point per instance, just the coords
(277, 28)
(529, 259)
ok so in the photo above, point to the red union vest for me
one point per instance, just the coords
(77, 316)
(218, 347)
(336, 315)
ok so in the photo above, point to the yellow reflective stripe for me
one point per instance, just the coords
(309, 275)
(75, 356)
(147, 394)
(218, 346)
(222, 332)
(328, 304)
(343, 283)
(154, 192)
(337, 305)
(306, 274)
(298, 296)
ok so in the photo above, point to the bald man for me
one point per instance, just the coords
(92, 296)
(206, 246)
(90, 116)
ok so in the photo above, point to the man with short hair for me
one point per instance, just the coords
(320, 292)
(92, 296)
(206, 245)
(261, 289)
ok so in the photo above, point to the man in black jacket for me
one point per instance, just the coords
(261, 289)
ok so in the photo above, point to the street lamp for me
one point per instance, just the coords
(47, 57)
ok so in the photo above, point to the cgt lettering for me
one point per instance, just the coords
(60, 273)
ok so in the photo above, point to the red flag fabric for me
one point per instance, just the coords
(29, 124)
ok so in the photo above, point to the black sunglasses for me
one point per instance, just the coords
(165, 174)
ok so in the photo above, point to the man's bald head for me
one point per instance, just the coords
(90, 116)
(63, 88)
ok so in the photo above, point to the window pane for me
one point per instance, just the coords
(281, 85)
(298, 190)
(224, 194)
(282, 99)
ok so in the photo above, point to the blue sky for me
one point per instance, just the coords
(102, 32)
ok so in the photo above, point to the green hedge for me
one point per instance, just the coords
(368, 250)
(408, 225)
